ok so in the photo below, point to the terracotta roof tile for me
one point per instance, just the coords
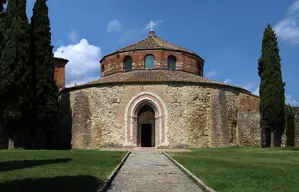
(155, 76)
(152, 43)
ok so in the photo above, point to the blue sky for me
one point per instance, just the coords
(227, 34)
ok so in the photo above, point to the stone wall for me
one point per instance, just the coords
(197, 116)
(296, 113)
(194, 120)
(248, 123)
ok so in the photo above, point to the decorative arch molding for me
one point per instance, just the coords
(131, 115)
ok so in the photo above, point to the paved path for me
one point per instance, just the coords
(151, 172)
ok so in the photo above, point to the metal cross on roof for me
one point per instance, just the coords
(152, 26)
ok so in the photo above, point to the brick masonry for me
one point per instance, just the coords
(184, 61)
(59, 74)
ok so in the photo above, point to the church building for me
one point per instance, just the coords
(154, 94)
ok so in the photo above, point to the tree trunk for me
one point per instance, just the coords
(3, 137)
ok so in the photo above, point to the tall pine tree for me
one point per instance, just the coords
(15, 70)
(45, 88)
(272, 98)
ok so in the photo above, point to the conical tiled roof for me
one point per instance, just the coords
(154, 76)
(152, 42)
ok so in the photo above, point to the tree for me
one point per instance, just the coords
(15, 70)
(290, 126)
(272, 93)
(3, 135)
(44, 86)
(1, 26)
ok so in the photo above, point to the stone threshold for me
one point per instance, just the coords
(201, 184)
(145, 149)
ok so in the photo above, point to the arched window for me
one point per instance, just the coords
(199, 69)
(149, 62)
(103, 68)
(171, 62)
(127, 63)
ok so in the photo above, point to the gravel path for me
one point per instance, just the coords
(151, 172)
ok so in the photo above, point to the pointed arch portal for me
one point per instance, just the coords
(145, 121)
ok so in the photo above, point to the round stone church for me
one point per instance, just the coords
(153, 94)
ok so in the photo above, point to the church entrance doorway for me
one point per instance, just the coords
(146, 135)
(146, 127)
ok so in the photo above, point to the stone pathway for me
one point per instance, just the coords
(151, 172)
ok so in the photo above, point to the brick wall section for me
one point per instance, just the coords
(249, 103)
(184, 61)
(59, 74)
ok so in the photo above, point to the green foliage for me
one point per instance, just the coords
(2, 27)
(14, 67)
(290, 126)
(272, 98)
(45, 90)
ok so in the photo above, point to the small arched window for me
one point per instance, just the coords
(199, 69)
(127, 63)
(149, 62)
(103, 68)
(171, 62)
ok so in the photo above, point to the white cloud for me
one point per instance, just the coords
(83, 62)
(114, 26)
(288, 28)
(211, 73)
(154, 24)
(249, 86)
(227, 81)
(294, 8)
(291, 101)
(256, 91)
(73, 36)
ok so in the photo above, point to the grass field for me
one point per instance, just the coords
(244, 169)
(46, 171)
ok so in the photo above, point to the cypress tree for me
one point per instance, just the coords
(45, 88)
(290, 126)
(272, 98)
(15, 69)
(3, 135)
(1, 26)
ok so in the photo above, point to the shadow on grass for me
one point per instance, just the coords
(12, 165)
(55, 184)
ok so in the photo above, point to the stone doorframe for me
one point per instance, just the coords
(131, 115)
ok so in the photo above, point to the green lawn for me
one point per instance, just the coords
(45, 171)
(244, 169)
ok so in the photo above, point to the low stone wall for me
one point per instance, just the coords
(296, 113)
(248, 131)
(248, 124)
